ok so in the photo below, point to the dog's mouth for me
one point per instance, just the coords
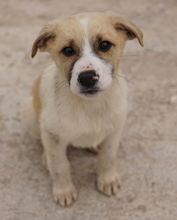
(90, 93)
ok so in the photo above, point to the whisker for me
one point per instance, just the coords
(52, 68)
(62, 84)
(114, 76)
(73, 85)
(62, 87)
(105, 33)
(51, 64)
(130, 54)
(126, 79)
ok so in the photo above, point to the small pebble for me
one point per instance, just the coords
(173, 99)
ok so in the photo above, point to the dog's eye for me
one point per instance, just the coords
(105, 46)
(68, 51)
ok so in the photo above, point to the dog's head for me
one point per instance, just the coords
(87, 49)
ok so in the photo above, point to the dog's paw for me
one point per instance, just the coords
(64, 196)
(108, 183)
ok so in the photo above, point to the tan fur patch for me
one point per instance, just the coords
(36, 96)
(101, 28)
(68, 31)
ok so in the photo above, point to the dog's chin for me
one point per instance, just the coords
(90, 94)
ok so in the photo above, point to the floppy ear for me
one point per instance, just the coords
(47, 33)
(122, 23)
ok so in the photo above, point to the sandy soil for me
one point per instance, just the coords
(147, 159)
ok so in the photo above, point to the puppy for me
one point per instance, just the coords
(80, 100)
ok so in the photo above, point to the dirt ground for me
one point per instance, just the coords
(147, 159)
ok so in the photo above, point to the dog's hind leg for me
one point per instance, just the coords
(29, 118)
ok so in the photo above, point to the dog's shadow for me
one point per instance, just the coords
(83, 166)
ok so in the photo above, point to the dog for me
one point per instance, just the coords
(80, 100)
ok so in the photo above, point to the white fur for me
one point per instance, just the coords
(91, 61)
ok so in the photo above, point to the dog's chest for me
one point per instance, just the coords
(85, 126)
(85, 131)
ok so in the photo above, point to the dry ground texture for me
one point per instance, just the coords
(147, 159)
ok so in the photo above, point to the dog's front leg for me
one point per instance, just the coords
(64, 191)
(108, 180)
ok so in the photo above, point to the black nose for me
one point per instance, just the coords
(88, 78)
